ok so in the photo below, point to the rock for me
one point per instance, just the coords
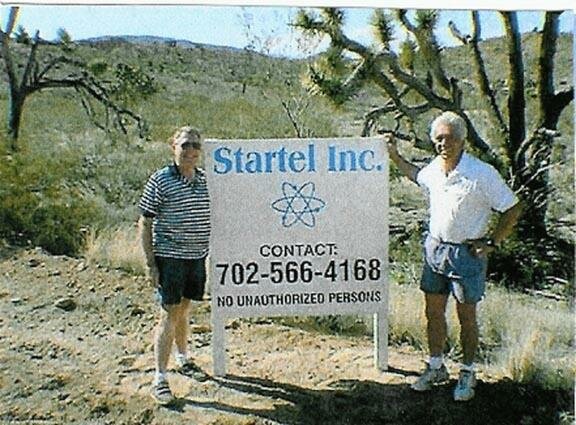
(235, 324)
(16, 301)
(137, 311)
(81, 266)
(127, 361)
(199, 329)
(66, 304)
(34, 262)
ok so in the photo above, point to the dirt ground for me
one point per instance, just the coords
(75, 347)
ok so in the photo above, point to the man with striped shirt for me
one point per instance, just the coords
(175, 230)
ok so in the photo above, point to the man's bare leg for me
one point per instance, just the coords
(436, 372)
(182, 326)
(163, 339)
(436, 323)
(468, 331)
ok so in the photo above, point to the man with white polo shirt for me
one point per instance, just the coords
(462, 192)
(175, 231)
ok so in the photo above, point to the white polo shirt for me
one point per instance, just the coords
(462, 201)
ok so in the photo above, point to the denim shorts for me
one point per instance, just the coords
(452, 268)
(181, 279)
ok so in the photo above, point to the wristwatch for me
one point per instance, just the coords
(491, 243)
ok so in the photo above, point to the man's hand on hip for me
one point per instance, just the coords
(480, 247)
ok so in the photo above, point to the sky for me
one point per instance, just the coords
(264, 27)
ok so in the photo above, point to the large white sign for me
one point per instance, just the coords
(299, 227)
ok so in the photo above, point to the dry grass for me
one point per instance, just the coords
(525, 338)
(533, 338)
(116, 248)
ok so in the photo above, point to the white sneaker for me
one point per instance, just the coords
(464, 390)
(431, 377)
(160, 392)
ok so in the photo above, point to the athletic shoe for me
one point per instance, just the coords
(464, 390)
(430, 377)
(191, 370)
(161, 393)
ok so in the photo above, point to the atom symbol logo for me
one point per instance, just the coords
(298, 204)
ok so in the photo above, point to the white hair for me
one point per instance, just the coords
(456, 123)
(191, 133)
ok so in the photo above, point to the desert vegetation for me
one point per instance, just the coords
(72, 188)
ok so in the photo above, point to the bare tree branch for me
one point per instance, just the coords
(12, 17)
(353, 83)
(551, 104)
(546, 63)
(415, 83)
(292, 117)
(482, 75)
(6, 54)
(464, 39)
(516, 100)
(371, 117)
(56, 61)
(563, 98)
(428, 47)
(44, 73)
(30, 62)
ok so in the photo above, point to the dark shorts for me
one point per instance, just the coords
(181, 279)
(452, 268)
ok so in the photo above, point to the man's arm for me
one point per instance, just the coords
(506, 223)
(407, 168)
(145, 227)
(502, 230)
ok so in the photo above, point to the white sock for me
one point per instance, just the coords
(181, 358)
(159, 377)
(436, 362)
(468, 367)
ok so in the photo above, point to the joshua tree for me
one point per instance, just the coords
(415, 82)
(104, 100)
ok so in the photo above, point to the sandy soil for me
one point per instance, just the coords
(75, 347)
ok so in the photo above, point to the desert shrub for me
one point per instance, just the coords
(530, 263)
(39, 207)
(52, 223)
(349, 325)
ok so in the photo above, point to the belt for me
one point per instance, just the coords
(466, 242)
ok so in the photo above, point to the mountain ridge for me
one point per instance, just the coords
(153, 39)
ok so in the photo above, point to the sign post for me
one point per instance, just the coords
(299, 227)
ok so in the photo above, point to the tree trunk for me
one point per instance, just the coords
(534, 181)
(532, 222)
(15, 118)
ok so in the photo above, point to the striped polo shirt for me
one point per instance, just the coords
(181, 212)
